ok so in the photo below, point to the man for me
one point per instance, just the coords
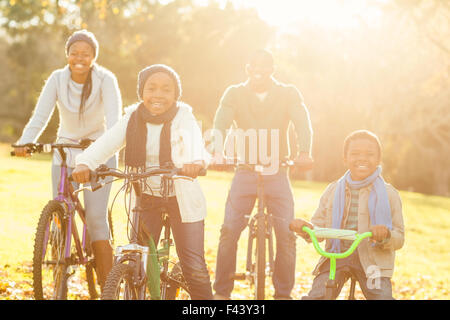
(261, 109)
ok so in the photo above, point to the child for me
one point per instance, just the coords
(157, 131)
(360, 201)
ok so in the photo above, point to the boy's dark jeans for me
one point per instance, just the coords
(381, 291)
(189, 243)
(240, 202)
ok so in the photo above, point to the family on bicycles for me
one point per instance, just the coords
(161, 131)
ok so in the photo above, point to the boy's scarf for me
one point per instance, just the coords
(136, 136)
(379, 208)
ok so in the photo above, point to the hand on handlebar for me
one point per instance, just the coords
(304, 162)
(81, 174)
(297, 225)
(191, 170)
(22, 152)
(379, 233)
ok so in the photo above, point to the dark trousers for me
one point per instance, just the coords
(189, 242)
(240, 202)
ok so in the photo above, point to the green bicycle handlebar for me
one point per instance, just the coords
(331, 255)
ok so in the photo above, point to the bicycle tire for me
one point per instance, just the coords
(51, 228)
(91, 280)
(111, 226)
(119, 273)
(260, 276)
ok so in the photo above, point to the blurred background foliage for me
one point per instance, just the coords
(391, 77)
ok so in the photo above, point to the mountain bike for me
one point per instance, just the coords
(59, 251)
(260, 250)
(138, 267)
(329, 233)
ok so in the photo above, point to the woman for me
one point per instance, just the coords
(160, 130)
(89, 102)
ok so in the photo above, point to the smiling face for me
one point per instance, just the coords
(362, 158)
(80, 58)
(260, 71)
(159, 93)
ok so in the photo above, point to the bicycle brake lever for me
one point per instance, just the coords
(81, 189)
(95, 185)
(90, 188)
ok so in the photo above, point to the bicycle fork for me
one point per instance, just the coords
(138, 256)
(266, 233)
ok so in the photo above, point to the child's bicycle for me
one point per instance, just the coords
(136, 266)
(328, 233)
(56, 258)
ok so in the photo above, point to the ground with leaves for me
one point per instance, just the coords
(422, 266)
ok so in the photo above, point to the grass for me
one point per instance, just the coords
(422, 266)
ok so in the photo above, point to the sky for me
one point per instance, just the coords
(326, 13)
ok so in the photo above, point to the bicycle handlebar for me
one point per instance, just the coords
(329, 233)
(235, 162)
(48, 147)
(335, 234)
(103, 171)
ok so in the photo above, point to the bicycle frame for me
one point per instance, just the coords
(67, 196)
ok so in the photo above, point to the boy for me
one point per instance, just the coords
(361, 201)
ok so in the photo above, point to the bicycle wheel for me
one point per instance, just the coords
(260, 270)
(175, 286)
(49, 266)
(119, 284)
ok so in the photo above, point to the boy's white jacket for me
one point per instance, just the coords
(187, 147)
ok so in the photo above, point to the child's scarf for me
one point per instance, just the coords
(379, 208)
(136, 136)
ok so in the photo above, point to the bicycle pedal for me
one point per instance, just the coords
(239, 276)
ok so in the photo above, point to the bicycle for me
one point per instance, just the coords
(329, 233)
(55, 257)
(260, 252)
(136, 266)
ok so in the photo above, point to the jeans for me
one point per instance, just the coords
(189, 242)
(372, 290)
(95, 203)
(241, 200)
